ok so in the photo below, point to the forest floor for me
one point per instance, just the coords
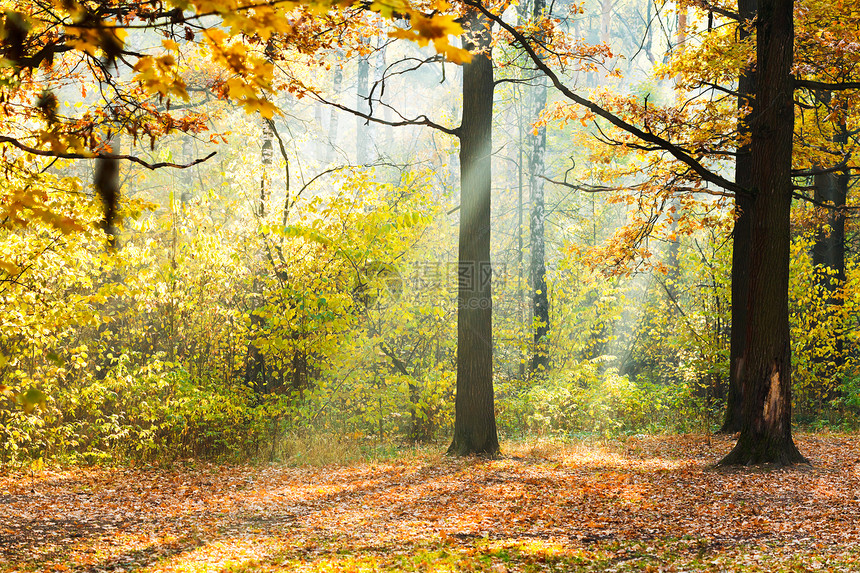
(641, 504)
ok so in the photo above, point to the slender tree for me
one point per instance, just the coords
(334, 116)
(362, 133)
(540, 297)
(828, 252)
(256, 374)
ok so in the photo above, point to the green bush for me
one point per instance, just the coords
(155, 412)
(588, 398)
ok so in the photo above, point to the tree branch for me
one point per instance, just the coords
(674, 150)
(708, 7)
(823, 204)
(62, 155)
(420, 120)
(604, 189)
(816, 85)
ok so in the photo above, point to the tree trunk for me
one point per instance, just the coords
(765, 364)
(605, 20)
(829, 248)
(266, 163)
(334, 116)
(256, 375)
(523, 17)
(186, 176)
(828, 256)
(673, 248)
(474, 416)
(362, 135)
(740, 237)
(540, 297)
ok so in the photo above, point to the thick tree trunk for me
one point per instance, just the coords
(540, 297)
(740, 289)
(474, 418)
(740, 238)
(765, 365)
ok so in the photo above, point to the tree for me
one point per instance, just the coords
(741, 231)
(828, 252)
(765, 373)
(765, 369)
(537, 227)
(362, 134)
(47, 48)
(474, 415)
(474, 410)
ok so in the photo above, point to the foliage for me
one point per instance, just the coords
(590, 398)
(158, 373)
(261, 305)
(824, 368)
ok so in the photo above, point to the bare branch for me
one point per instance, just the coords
(702, 171)
(604, 189)
(420, 120)
(62, 155)
(831, 86)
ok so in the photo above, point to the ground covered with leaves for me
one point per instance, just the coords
(641, 504)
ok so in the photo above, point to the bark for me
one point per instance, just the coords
(107, 187)
(319, 148)
(765, 365)
(474, 416)
(266, 163)
(540, 297)
(740, 238)
(186, 176)
(362, 135)
(523, 15)
(521, 305)
(256, 374)
(605, 20)
(649, 34)
(106, 182)
(672, 255)
(829, 248)
(604, 28)
(337, 81)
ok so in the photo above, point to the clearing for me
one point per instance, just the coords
(642, 504)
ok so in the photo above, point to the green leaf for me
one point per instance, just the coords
(32, 398)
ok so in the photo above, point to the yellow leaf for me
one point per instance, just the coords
(9, 268)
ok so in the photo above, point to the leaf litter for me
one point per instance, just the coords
(641, 504)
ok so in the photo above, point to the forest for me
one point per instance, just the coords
(429, 285)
